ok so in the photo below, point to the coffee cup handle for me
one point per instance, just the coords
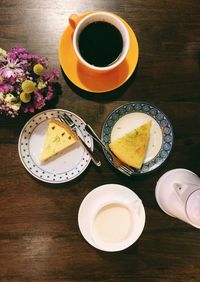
(74, 20)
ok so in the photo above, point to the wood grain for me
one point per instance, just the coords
(39, 234)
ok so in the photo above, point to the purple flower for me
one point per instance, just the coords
(49, 96)
(31, 109)
(50, 93)
(13, 57)
(11, 69)
(43, 61)
(28, 108)
(5, 88)
(15, 53)
(39, 101)
(18, 50)
(50, 88)
(25, 109)
(16, 66)
(34, 59)
(51, 76)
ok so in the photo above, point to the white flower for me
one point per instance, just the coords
(3, 53)
(10, 98)
(11, 102)
(1, 96)
(15, 107)
(41, 85)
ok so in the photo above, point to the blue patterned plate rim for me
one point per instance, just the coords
(158, 116)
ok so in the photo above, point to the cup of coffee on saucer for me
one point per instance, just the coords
(85, 75)
(100, 40)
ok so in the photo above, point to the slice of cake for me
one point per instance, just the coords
(131, 148)
(59, 136)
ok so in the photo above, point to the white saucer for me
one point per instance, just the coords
(103, 196)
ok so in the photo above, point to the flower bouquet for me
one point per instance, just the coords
(25, 85)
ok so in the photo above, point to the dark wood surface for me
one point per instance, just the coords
(39, 234)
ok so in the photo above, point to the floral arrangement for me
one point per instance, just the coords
(25, 85)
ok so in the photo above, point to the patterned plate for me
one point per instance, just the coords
(130, 116)
(66, 165)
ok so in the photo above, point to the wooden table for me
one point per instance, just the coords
(39, 234)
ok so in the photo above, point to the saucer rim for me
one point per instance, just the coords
(87, 199)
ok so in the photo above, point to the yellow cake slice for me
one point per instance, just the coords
(59, 136)
(131, 148)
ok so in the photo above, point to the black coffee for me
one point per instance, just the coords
(100, 43)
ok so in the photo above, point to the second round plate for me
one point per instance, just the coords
(132, 115)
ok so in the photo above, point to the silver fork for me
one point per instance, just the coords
(65, 118)
(117, 163)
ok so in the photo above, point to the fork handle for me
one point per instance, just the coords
(115, 160)
(95, 136)
(66, 119)
(96, 162)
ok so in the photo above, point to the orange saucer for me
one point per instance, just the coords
(87, 80)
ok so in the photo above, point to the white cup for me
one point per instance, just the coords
(79, 24)
(178, 194)
(116, 233)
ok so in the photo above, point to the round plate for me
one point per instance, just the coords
(132, 115)
(89, 81)
(101, 197)
(66, 165)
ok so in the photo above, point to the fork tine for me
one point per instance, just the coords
(66, 117)
(118, 163)
(61, 118)
(126, 169)
(120, 168)
(131, 170)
